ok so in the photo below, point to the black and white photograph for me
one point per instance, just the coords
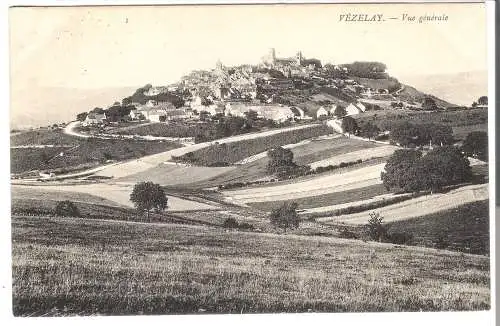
(249, 159)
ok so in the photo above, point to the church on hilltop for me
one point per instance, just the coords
(271, 61)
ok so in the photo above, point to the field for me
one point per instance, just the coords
(100, 193)
(459, 118)
(42, 137)
(461, 132)
(333, 198)
(85, 152)
(83, 267)
(305, 153)
(228, 153)
(464, 228)
(419, 206)
(318, 185)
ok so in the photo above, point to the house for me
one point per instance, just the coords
(332, 109)
(94, 119)
(322, 112)
(157, 115)
(176, 115)
(355, 108)
(273, 112)
(136, 115)
(298, 112)
(215, 108)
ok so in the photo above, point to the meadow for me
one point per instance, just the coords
(464, 228)
(224, 154)
(86, 151)
(93, 267)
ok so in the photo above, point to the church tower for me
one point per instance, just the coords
(272, 56)
(299, 58)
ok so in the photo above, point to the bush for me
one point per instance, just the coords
(285, 216)
(346, 234)
(400, 237)
(66, 208)
(230, 223)
(376, 230)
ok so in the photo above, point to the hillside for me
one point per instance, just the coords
(102, 267)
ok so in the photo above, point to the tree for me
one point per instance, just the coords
(476, 145)
(148, 196)
(81, 116)
(395, 171)
(410, 171)
(483, 100)
(349, 125)
(428, 104)
(285, 216)
(280, 161)
(340, 111)
(66, 208)
(369, 130)
(97, 110)
(443, 166)
(376, 230)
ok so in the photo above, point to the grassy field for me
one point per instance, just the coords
(87, 151)
(85, 267)
(228, 153)
(303, 154)
(465, 228)
(459, 118)
(332, 198)
(461, 132)
(42, 137)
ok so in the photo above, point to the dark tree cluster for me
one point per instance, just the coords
(367, 69)
(407, 133)
(411, 171)
(476, 145)
(139, 97)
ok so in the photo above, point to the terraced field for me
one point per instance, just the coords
(420, 206)
(319, 185)
(111, 194)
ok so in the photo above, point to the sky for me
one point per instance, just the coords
(111, 47)
(92, 47)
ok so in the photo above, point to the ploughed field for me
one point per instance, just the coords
(85, 267)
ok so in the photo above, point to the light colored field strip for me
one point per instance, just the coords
(323, 184)
(419, 206)
(325, 209)
(120, 194)
(289, 146)
(362, 154)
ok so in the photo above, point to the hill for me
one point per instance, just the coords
(115, 268)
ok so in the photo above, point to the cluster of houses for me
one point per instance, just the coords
(351, 109)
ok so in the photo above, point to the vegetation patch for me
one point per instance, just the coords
(228, 153)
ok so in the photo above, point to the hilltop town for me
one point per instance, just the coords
(278, 89)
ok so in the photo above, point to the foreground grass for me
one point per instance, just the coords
(71, 266)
